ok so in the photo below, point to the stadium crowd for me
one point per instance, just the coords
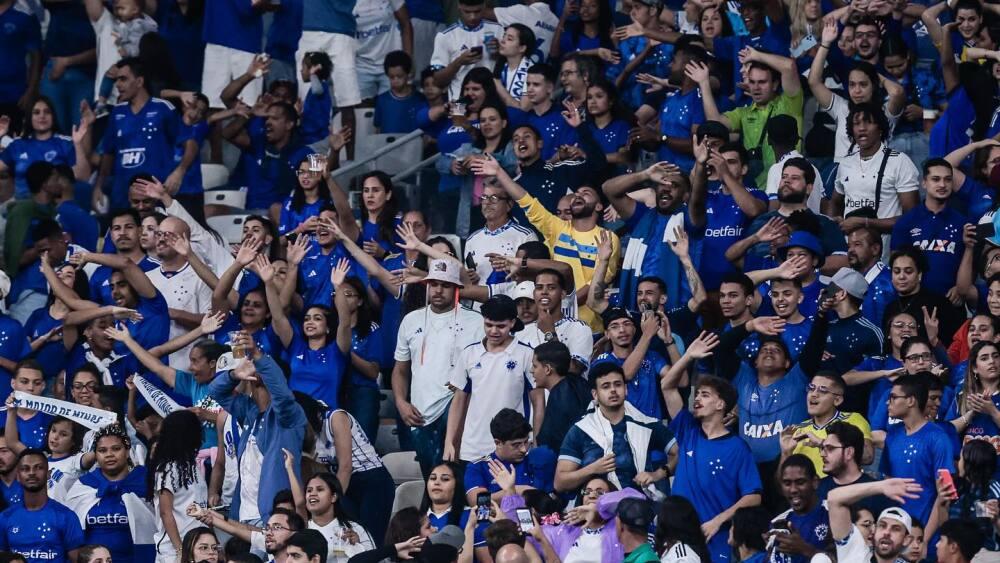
(687, 281)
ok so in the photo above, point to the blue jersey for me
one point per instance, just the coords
(776, 39)
(317, 373)
(644, 388)
(12, 493)
(657, 63)
(140, 142)
(291, 218)
(314, 274)
(285, 31)
(20, 34)
(236, 24)
(45, 535)
(808, 307)
(398, 115)
(330, 16)
(713, 474)
(369, 348)
(33, 432)
(197, 395)
(764, 411)
(265, 338)
(316, 112)
(678, 116)
(267, 172)
(438, 521)
(647, 255)
(107, 522)
(14, 346)
(850, 340)
(976, 196)
(724, 225)
(184, 41)
(100, 281)
(372, 232)
(813, 526)
(613, 137)
(477, 474)
(52, 355)
(794, 337)
(951, 130)
(917, 456)
(880, 293)
(554, 129)
(197, 132)
(939, 235)
(25, 151)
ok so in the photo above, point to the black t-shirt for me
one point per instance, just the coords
(876, 504)
(568, 401)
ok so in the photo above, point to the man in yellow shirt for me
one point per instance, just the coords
(574, 242)
(824, 396)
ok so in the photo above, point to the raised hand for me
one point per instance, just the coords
(681, 246)
(117, 333)
(340, 138)
(296, 251)
(662, 172)
(609, 55)
(409, 237)
(212, 322)
(130, 382)
(697, 72)
(248, 251)
(604, 246)
(572, 114)
(900, 490)
(774, 229)
(931, 324)
(504, 478)
(700, 148)
(79, 133)
(262, 264)
(339, 273)
(125, 313)
(151, 188)
(794, 267)
(485, 165)
(768, 326)
(830, 31)
(406, 550)
(245, 371)
(702, 346)
(180, 243)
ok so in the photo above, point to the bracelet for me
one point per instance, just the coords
(824, 45)
(671, 343)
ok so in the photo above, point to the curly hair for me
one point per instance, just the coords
(175, 454)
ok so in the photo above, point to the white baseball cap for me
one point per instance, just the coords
(524, 290)
(899, 515)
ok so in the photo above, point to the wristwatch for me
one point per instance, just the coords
(548, 336)
(524, 262)
(663, 139)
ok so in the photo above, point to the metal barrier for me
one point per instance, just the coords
(345, 173)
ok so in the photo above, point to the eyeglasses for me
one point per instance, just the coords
(830, 448)
(306, 172)
(595, 492)
(925, 357)
(275, 528)
(893, 397)
(208, 548)
(901, 325)
(82, 386)
(821, 389)
(492, 198)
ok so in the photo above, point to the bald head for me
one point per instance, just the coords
(170, 228)
(512, 553)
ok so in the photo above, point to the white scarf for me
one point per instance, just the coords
(103, 365)
(88, 416)
(160, 401)
(81, 498)
(599, 429)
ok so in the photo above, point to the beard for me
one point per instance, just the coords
(791, 197)
(585, 211)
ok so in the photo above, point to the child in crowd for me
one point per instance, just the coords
(130, 24)
(396, 110)
(317, 109)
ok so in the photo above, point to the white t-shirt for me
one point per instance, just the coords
(774, 179)
(455, 39)
(569, 302)
(494, 381)
(230, 440)
(433, 359)
(63, 473)
(195, 492)
(503, 241)
(539, 17)
(574, 333)
(839, 109)
(107, 51)
(856, 179)
(680, 553)
(250, 463)
(339, 550)
(853, 547)
(586, 549)
(182, 290)
(377, 33)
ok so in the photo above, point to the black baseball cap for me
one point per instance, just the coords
(636, 513)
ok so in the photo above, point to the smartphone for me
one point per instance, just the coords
(478, 49)
(984, 231)
(469, 262)
(524, 520)
(482, 506)
(945, 476)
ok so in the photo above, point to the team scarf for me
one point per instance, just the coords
(89, 417)
(94, 486)
(599, 430)
(160, 401)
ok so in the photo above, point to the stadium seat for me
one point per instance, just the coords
(230, 227)
(408, 495)
(397, 160)
(403, 467)
(236, 199)
(214, 176)
(386, 441)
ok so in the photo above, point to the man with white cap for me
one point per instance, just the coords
(428, 347)
(491, 374)
(851, 337)
(892, 531)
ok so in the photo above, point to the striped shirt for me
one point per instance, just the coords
(363, 455)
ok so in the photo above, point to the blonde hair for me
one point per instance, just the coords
(798, 22)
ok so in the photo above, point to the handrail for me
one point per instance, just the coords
(357, 164)
(416, 167)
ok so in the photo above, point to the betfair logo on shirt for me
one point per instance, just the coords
(36, 554)
(105, 519)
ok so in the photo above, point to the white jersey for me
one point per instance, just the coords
(377, 32)
(569, 302)
(230, 441)
(680, 553)
(494, 381)
(363, 455)
(63, 473)
(574, 333)
(432, 343)
(185, 291)
(457, 38)
(504, 241)
(539, 17)
(196, 492)
(339, 550)
(856, 179)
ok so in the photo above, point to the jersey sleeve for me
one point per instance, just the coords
(402, 353)
(476, 476)
(580, 343)
(72, 532)
(441, 55)
(541, 218)
(460, 373)
(572, 446)
(859, 422)
(909, 177)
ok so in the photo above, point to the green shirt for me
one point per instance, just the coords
(17, 231)
(642, 554)
(750, 121)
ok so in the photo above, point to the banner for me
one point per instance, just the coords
(90, 417)
(160, 401)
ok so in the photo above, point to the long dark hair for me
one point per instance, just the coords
(526, 37)
(616, 108)
(605, 21)
(458, 504)
(386, 219)
(979, 462)
(484, 78)
(299, 194)
(981, 88)
(678, 522)
(191, 538)
(415, 296)
(366, 311)
(339, 512)
(28, 130)
(180, 440)
(404, 525)
(480, 141)
(331, 320)
(155, 54)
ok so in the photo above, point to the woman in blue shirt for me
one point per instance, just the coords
(366, 357)
(319, 352)
(252, 312)
(310, 194)
(606, 124)
(40, 142)
(44, 326)
(587, 34)
(444, 497)
(110, 502)
(379, 214)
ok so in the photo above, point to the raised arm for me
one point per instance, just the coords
(10, 431)
(223, 296)
(790, 83)
(279, 321)
(699, 73)
(596, 300)
(345, 215)
(840, 500)
(700, 348)
(132, 272)
(367, 261)
(337, 276)
(166, 373)
(896, 95)
(62, 291)
(486, 165)
(824, 97)
(958, 156)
